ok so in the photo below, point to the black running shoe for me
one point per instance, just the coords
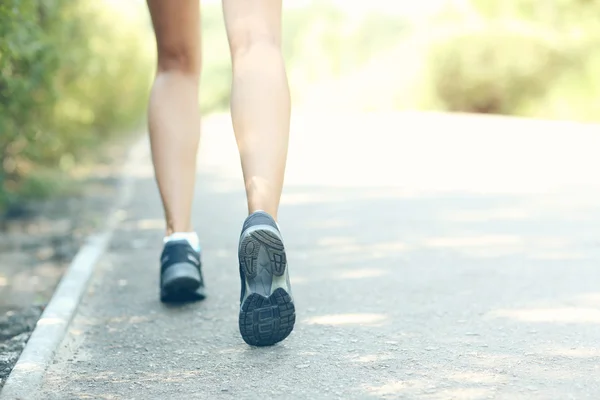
(267, 313)
(180, 273)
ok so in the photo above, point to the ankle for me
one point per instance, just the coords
(190, 237)
(272, 213)
(173, 227)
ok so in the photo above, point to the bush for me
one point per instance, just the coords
(519, 57)
(574, 96)
(26, 57)
(71, 73)
(494, 69)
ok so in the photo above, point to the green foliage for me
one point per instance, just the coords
(71, 73)
(494, 69)
(320, 42)
(28, 60)
(43, 183)
(216, 66)
(519, 57)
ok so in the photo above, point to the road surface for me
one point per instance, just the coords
(431, 256)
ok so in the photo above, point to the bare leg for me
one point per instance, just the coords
(260, 98)
(174, 116)
(260, 109)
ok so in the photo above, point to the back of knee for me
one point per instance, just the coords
(244, 37)
(179, 58)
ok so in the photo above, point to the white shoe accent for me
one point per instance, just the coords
(190, 237)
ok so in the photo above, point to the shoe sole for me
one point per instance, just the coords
(180, 283)
(267, 315)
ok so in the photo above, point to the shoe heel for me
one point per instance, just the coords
(180, 282)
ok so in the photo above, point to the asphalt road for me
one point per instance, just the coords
(431, 256)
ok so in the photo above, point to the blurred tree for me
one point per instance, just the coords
(70, 74)
(28, 61)
(520, 57)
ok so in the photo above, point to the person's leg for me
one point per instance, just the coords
(260, 110)
(174, 125)
(260, 98)
(174, 114)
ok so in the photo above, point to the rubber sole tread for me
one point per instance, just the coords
(265, 318)
(267, 321)
(250, 247)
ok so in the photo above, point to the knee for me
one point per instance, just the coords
(179, 58)
(246, 36)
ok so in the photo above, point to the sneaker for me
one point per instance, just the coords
(267, 313)
(180, 273)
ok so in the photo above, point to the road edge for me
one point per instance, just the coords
(27, 375)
